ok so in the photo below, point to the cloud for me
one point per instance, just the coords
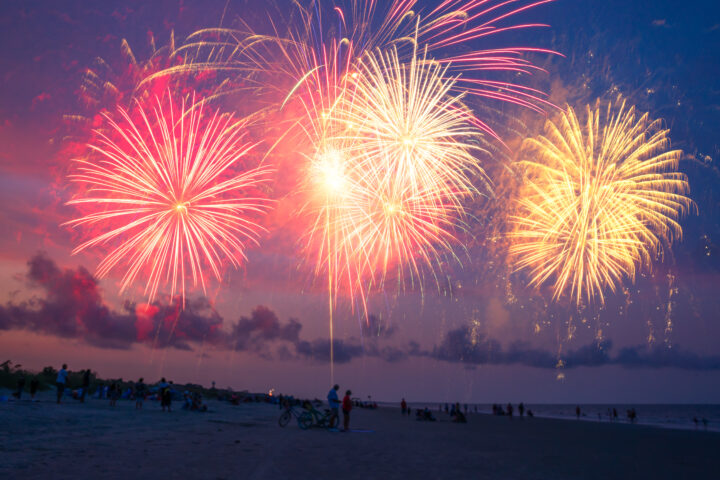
(319, 350)
(375, 327)
(263, 326)
(661, 356)
(71, 306)
(461, 346)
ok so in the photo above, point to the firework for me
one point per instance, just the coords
(388, 182)
(313, 65)
(171, 193)
(601, 200)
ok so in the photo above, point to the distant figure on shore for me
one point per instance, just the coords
(403, 406)
(615, 414)
(632, 415)
(577, 412)
(695, 421)
(165, 395)
(60, 382)
(465, 407)
(424, 415)
(447, 409)
(510, 410)
(346, 407)
(334, 404)
(530, 413)
(521, 409)
(85, 385)
(705, 423)
(457, 415)
(114, 393)
(20, 387)
(139, 394)
(34, 383)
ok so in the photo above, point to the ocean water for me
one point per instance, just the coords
(659, 415)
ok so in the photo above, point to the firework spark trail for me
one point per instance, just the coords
(318, 57)
(601, 200)
(166, 190)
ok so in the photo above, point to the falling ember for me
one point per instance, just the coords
(600, 201)
(172, 196)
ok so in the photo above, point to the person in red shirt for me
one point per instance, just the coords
(346, 407)
(403, 406)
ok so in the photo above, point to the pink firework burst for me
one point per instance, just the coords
(172, 195)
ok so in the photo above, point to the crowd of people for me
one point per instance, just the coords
(113, 390)
(498, 409)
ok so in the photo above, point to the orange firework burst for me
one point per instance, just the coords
(172, 195)
(601, 199)
(389, 180)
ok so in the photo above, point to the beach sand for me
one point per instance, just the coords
(73, 440)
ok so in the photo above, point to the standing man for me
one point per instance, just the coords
(60, 382)
(334, 403)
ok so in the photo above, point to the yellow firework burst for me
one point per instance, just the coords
(601, 199)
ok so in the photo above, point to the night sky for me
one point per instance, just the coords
(477, 335)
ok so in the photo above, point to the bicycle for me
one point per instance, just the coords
(287, 415)
(312, 417)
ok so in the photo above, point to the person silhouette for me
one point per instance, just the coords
(334, 404)
(60, 381)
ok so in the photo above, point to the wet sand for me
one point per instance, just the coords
(72, 440)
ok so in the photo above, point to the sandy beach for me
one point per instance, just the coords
(72, 440)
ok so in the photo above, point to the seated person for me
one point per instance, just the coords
(459, 417)
(427, 415)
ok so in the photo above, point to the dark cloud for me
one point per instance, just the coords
(376, 327)
(319, 350)
(71, 306)
(344, 351)
(462, 346)
(262, 326)
(661, 356)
